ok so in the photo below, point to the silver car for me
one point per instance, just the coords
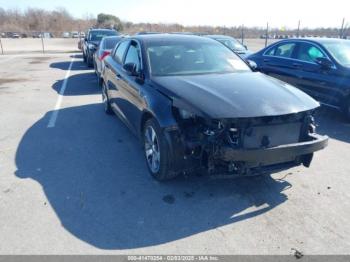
(104, 49)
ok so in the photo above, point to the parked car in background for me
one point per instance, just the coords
(46, 35)
(91, 42)
(66, 35)
(320, 67)
(196, 106)
(75, 34)
(104, 49)
(231, 43)
(12, 35)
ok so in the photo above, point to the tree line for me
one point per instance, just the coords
(60, 20)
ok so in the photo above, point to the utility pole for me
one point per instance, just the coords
(42, 42)
(266, 33)
(298, 29)
(242, 34)
(342, 29)
(2, 50)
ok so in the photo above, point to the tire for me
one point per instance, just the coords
(107, 106)
(156, 151)
(84, 57)
(89, 62)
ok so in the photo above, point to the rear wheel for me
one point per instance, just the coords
(89, 62)
(156, 151)
(105, 99)
(84, 57)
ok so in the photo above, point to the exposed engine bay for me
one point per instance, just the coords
(248, 146)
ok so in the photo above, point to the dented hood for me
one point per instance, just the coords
(235, 95)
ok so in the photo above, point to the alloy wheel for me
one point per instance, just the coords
(152, 149)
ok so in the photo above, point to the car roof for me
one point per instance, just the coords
(154, 38)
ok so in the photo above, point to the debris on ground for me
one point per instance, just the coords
(298, 254)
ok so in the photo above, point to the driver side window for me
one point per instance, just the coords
(119, 52)
(309, 53)
(133, 55)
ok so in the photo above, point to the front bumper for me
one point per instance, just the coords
(273, 155)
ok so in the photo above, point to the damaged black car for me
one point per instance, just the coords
(198, 107)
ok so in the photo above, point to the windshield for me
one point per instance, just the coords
(192, 58)
(98, 35)
(340, 51)
(233, 44)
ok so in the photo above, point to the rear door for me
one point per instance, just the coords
(277, 62)
(113, 69)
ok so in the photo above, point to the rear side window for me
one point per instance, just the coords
(308, 52)
(282, 50)
(285, 50)
(133, 55)
(119, 52)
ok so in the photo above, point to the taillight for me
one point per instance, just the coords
(104, 54)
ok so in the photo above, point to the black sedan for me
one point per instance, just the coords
(91, 42)
(196, 106)
(319, 67)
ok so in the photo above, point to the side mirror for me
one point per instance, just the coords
(324, 62)
(252, 65)
(130, 69)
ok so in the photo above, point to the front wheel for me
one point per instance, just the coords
(89, 62)
(156, 151)
(84, 57)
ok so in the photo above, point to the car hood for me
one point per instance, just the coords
(234, 95)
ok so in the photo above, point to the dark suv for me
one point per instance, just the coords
(91, 42)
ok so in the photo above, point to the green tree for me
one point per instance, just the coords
(109, 21)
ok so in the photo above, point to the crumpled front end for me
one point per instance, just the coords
(244, 146)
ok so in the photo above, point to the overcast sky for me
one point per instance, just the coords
(279, 13)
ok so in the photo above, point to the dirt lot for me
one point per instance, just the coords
(81, 185)
(25, 45)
